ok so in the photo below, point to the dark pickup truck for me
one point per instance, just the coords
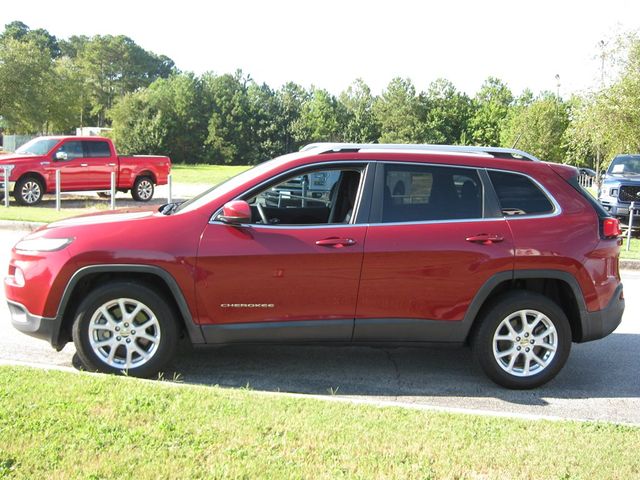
(621, 186)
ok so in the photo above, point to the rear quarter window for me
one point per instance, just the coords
(518, 195)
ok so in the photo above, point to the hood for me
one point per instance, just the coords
(17, 158)
(619, 178)
(102, 218)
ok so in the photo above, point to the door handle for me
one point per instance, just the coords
(336, 242)
(485, 238)
(84, 164)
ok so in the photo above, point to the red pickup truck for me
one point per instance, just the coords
(85, 164)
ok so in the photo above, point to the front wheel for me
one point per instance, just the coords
(125, 327)
(523, 340)
(28, 191)
(142, 190)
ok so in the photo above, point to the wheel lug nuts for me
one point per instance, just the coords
(527, 349)
(126, 325)
(531, 342)
(129, 341)
(117, 329)
(526, 334)
(518, 348)
(517, 339)
(118, 338)
(133, 332)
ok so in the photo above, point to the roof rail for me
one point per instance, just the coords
(498, 152)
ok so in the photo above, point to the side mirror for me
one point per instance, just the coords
(235, 213)
(61, 156)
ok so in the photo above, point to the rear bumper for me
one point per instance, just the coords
(39, 327)
(601, 323)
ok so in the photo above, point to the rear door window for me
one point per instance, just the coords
(97, 149)
(415, 193)
(519, 195)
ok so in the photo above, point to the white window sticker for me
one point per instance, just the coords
(618, 168)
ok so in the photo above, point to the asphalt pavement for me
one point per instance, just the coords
(599, 382)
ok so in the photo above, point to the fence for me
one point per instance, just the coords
(586, 181)
(12, 142)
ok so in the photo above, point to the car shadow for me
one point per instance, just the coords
(603, 369)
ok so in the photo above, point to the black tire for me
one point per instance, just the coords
(95, 335)
(28, 190)
(518, 352)
(143, 189)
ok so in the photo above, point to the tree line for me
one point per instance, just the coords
(54, 85)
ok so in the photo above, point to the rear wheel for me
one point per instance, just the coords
(142, 190)
(28, 191)
(523, 340)
(125, 327)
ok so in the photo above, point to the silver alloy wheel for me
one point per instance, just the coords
(30, 191)
(124, 333)
(145, 189)
(525, 343)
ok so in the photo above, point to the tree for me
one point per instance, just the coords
(26, 81)
(114, 66)
(230, 139)
(397, 111)
(42, 38)
(538, 126)
(289, 101)
(447, 113)
(491, 105)
(607, 122)
(321, 119)
(169, 118)
(264, 110)
(360, 123)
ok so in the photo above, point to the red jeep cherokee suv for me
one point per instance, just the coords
(340, 243)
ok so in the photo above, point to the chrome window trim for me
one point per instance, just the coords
(364, 163)
(450, 220)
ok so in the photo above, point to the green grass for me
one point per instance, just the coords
(61, 425)
(40, 214)
(204, 174)
(634, 249)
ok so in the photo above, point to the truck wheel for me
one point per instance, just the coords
(142, 190)
(28, 191)
(523, 340)
(125, 327)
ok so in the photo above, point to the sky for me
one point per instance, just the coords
(330, 43)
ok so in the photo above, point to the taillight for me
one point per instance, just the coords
(610, 227)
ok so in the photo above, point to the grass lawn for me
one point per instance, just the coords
(634, 249)
(39, 214)
(209, 174)
(62, 425)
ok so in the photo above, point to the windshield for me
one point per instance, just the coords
(226, 186)
(38, 146)
(625, 165)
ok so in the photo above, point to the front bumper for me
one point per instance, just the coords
(601, 323)
(39, 327)
(11, 186)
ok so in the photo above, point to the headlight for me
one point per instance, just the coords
(42, 244)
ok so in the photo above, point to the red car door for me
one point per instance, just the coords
(100, 163)
(296, 278)
(429, 250)
(69, 159)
